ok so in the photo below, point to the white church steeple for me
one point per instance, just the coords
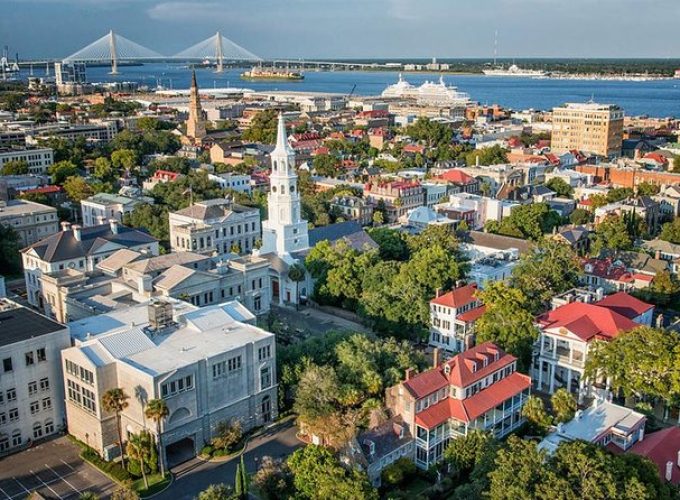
(284, 232)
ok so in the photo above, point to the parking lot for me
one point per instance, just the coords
(54, 469)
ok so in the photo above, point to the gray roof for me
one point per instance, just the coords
(642, 262)
(385, 438)
(574, 234)
(213, 209)
(20, 323)
(498, 241)
(64, 246)
(350, 231)
(662, 246)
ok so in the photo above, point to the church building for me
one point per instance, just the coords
(196, 131)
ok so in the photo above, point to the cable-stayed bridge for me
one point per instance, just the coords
(114, 48)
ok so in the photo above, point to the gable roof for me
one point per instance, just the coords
(64, 246)
(457, 177)
(625, 305)
(457, 297)
(587, 321)
(661, 447)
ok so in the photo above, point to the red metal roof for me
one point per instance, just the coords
(467, 410)
(626, 304)
(587, 320)
(661, 447)
(472, 315)
(458, 297)
(468, 367)
(456, 176)
(426, 383)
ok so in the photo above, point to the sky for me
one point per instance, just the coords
(353, 28)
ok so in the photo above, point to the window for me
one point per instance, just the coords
(49, 426)
(44, 384)
(32, 388)
(29, 358)
(264, 352)
(14, 414)
(16, 438)
(3, 418)
(47, 403)
(37, 430)
(265, 378)
(7, 364)
(11, 394)
(234, 363)
(41, 354)
(177, 386)
(35, 407)
(219, 369)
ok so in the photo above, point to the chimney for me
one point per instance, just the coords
(477, 161)
(435, 357)
(114, 226)
(659, 324)
(438, 292)
(77, 233)
(65, 226)
(669, 470)
(657, 255)
(409, 374)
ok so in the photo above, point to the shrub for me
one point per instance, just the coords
(207, 450)
(227, 435)
(113, 469)
(394, 474)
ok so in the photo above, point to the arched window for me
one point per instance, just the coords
(273, 189)
(16, 437)
(292, 188)
(179, 414)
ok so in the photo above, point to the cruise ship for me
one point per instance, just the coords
(427, 94)
(515, 70)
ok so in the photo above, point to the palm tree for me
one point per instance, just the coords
(139, 448)
(297, 273)
(115, 401)
(157, 410)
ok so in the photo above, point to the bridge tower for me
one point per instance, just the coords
(114, 53)
(219, 56)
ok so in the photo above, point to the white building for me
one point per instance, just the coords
(476, 210)
(452, 318)
(78, 248)
(31, 384)
(209, 365)
(215, 227)
(237, 182)
(567, 332)
(38, 159)
(32, 221)
(102, 207)
(602, 423)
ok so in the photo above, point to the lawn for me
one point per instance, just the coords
(156, 484)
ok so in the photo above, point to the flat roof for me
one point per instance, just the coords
(18, 323)
(24, 207)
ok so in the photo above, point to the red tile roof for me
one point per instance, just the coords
(458, 297)
(587, 321)
(661, 447)
(467, 410)
(605, 268)
(426, 383)
(472, 315)
(43, 190)
(625, 304)
(468, 367)
(456, 176)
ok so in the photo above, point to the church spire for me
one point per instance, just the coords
(282, 146)
(195, 125)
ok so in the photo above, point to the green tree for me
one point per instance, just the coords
(518, 470)
(115, 401)
(103, 169)
(551, 269)
(153, 218)
(560, 187)
(239, 488)
(297, 274)
(642, 362)
(580, 216)
(139, 449)
(507, 321)
(527, 221)
(326, 165)
(395, 473)
(125, 159)
(618, 194)
(465, 452)
(494, 155)
(15, 167)
(157, 411)
(262, 127)
(378, 218)
(219, 491)
(391, 242)
(77, 189)
(273, 479)
(647, 189)
(61, 171)
(227, 435)
(319, 475)
(563, 405)
(612, 233)
(433, 134)
(10, 251)
(534, 411)
(670, 231)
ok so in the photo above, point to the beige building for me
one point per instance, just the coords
(32, 221)
(590, 127)
(214, 227)
(209, 365)
(128, 277)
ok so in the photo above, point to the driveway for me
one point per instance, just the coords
(196, 475)
(54, 469)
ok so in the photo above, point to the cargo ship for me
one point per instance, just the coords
(260, 73)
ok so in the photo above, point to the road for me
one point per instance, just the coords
(196, 475)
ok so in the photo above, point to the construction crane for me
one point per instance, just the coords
(351, 92)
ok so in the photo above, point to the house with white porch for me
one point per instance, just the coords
(452, 318)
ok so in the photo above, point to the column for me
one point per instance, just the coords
(581, 389)
(571, 353)
(552, 377)
(569, 378)
(540, 374)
